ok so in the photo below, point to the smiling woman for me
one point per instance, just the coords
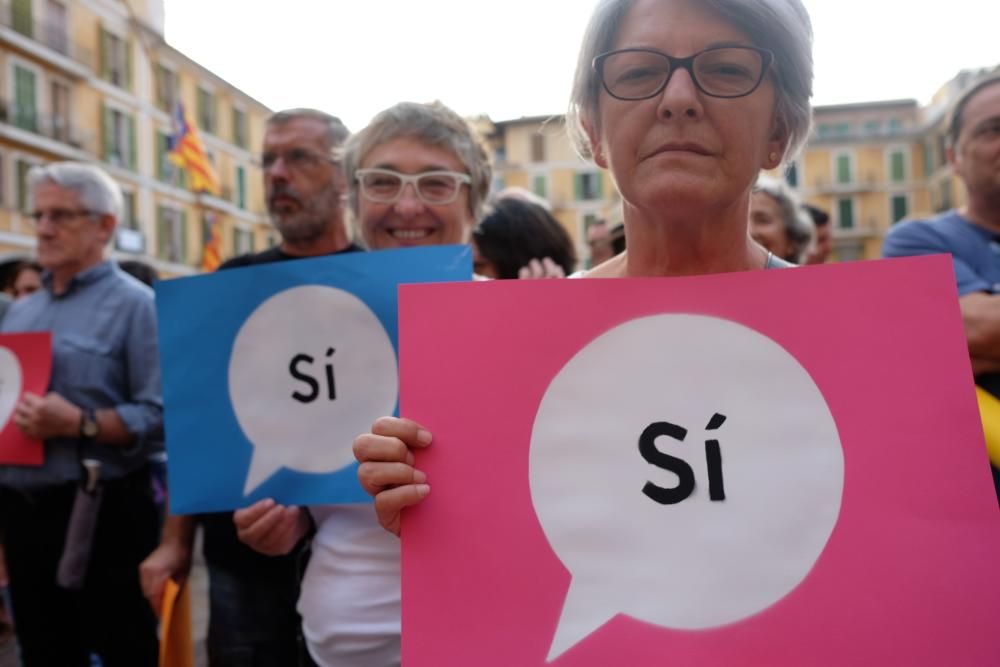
(418, 175)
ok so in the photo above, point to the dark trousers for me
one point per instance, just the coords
(109, 617)
(253, 623)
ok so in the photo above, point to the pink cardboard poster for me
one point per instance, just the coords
(764, 468)
(25, 366)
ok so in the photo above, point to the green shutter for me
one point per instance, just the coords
(184, 237)
(22, 19)
(105, 55)
(131, 143)
(899, 208)
(26, 111)
(846, 210)
(109, 134)
(898, 166)
(127, 45)
(130, 214)
(239, 128)
(844, 169)
(578, 186)
(22, 186)
(161, 156)
(241, 187)
(539, 186)
(161, 233)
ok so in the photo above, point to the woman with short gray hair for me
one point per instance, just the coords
(779, 222)
(431, 126)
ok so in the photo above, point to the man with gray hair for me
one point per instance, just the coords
(252, 597)
(76, 528)
(971, 234)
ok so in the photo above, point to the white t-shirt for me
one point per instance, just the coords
(350, 599)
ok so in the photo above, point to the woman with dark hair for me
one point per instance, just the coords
(516, 232)
(26, 279)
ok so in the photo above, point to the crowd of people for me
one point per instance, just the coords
(686, 103)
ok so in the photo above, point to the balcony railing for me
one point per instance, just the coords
(57, 128)
(47, 33)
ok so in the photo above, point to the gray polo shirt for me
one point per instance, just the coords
(104, 355)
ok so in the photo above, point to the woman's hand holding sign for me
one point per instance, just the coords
(270, 528)
(386, 471)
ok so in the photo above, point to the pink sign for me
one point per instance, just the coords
(25, 366)
(767, 468)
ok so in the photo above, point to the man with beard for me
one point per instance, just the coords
(252, 597)
(971, 234)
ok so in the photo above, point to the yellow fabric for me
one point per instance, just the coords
(176, 647)
(989, 410)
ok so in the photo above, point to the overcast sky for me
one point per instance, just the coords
(515, 58)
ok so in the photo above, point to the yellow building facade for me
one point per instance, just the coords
(872, 165)
(94, 81)
(864, 164)
(535, 153)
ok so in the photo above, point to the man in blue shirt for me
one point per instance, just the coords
(104, 408)
(970, 234)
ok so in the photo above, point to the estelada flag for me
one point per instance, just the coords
(188, 152)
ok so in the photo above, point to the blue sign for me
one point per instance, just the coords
(271, 371)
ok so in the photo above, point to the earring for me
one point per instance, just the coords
(772, 156)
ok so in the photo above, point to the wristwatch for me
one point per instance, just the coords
(89, 427)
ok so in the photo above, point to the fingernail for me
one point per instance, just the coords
(423, 490)
(424, 436)
(419, 476)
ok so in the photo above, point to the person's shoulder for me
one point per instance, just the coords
(131, 287)
(252, 259)
(922, 234)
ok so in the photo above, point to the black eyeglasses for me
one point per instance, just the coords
(723, 71)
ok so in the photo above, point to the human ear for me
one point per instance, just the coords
(594, 141)
(777, 143)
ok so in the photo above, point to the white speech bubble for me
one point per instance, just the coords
(698, 563)
(346, 343)
(11, 383)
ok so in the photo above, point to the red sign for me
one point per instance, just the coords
(25, 366)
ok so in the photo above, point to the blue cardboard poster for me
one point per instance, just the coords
(271, 371)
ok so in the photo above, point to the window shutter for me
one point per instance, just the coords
(898, 167)
(578, 186)
(241, 187)
(22, 19)
(131, 144)
(22, 186)
(109, 135)
(105, 55)
(161, 233)
(127, 45)
(184, 236)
